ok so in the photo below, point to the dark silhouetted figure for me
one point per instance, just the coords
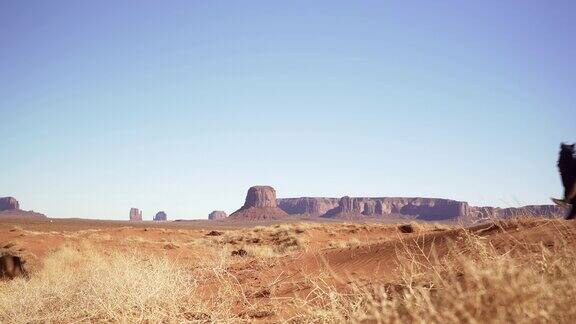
(567, 167)
(11, 267)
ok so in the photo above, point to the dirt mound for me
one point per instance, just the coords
(214, 233)
(260, 204)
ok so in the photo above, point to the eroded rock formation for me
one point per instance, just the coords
(9, 203)
(135, 214)
(420, 208)
(10, 208)
(312, 206)
(348, 208)
(260, 196)
(217, 214)
(260, 204)
(512, 212)
(369, 208)
(380, 209)
(161, 216)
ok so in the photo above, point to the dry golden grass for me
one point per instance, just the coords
(84, 285)
(260, 241)
(473, 282)
(344, 243)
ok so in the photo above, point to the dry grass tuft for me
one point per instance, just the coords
(341, 244)
(260, 241)
(83, 285)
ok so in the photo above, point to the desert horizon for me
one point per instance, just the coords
(287, 161)
(263, 264)
(368, 208)
(288, 270)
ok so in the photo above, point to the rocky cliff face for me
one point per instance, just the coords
(260, 196)
(217, 214)
(9, 203)
(260, 204)
(313, 206)
(421, 208)
(369, 208)
(531, 210)
(380, 209)
(348, 208)
(430, 208)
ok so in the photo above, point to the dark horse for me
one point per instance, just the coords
(567, 167)
(11, 267)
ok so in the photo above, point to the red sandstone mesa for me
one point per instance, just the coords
(260, 204)
(421, 208)
(217, 214)
(9, 203)
(10, 208)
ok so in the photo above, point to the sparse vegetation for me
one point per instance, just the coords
(344, 244)
(85, 285)
(472, 280)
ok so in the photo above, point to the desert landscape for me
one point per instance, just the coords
(287, 162)
(262, 264)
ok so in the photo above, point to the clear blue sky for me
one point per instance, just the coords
(182, 105)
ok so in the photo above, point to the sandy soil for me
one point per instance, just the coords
(341, 252)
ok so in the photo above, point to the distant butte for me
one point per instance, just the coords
(217, 214)
(10, 208)
(9, 203)
(260, 204)
(160, 216)
(135, 214)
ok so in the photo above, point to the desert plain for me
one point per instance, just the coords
(298, 270)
